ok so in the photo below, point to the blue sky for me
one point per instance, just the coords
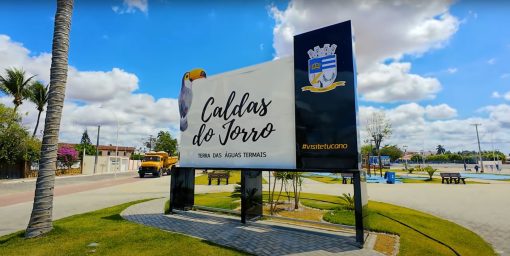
(159, 46)
(463, 62)
(480, 40)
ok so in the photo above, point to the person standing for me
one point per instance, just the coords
(476, 168)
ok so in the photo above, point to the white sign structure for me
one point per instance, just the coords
(241, 119)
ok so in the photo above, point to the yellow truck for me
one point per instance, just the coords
(157, 163)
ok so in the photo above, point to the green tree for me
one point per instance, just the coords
(416, 158)
(430, 171)
(136, 156)
(165, 142)
(454, 157)
(41, 218)
(39, 96)
(15, 142)
(437, 158)
(392, 151)
(86, 144)
(367, 149)
(491, 155)
(16, 85)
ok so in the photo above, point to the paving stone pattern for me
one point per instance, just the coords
(259, 238)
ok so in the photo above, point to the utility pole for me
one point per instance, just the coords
(97, 148)
(479, 148)
(405, 151)
(493, 150)
(150, 143)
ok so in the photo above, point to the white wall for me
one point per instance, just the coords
(107, 164)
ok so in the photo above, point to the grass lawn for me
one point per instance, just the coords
(115, 236)
(224, 200)
(327, 179)
(382, 218)
(235, 177)
(385, 218)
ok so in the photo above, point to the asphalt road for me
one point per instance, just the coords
(483, 208)
(24, 185)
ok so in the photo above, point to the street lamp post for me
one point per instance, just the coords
(117, 160)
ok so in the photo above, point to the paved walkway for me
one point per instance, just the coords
(259, 238)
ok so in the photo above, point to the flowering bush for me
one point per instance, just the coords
(67, 156)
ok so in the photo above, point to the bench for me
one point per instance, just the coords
(219, 176)
(346, 176)
(451, 177)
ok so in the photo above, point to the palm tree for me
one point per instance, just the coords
(41, 218)
(15, 84)
(39, 96)
(440, 149)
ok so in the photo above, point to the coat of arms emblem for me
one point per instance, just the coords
(322, 69)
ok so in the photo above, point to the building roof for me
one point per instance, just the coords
(120, 148)
(101, 147)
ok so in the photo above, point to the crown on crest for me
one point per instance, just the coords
(317, 52)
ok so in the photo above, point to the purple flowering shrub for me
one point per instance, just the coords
(67, 156)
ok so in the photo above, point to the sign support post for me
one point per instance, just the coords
(251, 195)
(182, 188)
(360, 205)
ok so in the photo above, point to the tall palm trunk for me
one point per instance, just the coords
(41, 218)
(37, 124)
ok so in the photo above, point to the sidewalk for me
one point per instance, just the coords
(259, 238)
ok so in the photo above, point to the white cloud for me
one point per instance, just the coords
(452, 70)
(94, 98)
(98, 86)
(393, 82)
(491, 61)
(442, 111)
(412, 126)
(385, 30)
(131, 6)
(505, 96)
(505, 76)
(499, 113)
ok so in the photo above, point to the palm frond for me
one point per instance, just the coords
(15, 84)
(38, 95)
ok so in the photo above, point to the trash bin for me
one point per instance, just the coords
(390, 177)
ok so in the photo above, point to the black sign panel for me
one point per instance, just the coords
(325, 91)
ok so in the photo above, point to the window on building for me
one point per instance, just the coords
(109, 153)
(125, 153)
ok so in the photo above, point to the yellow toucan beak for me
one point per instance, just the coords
(196, 74)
